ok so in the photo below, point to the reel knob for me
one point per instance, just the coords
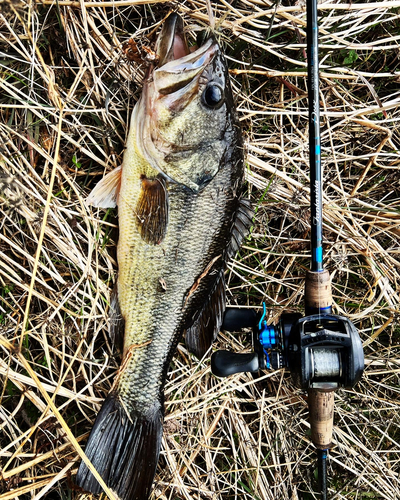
(225, 363)
(235, 319)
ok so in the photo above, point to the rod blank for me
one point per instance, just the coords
(314, 136)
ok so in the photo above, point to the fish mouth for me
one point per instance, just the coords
(173, 53)
(172, 43)
(178, 66)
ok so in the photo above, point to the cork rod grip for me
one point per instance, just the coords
(320, 405)
(318, 291)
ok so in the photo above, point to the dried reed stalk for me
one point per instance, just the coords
(67, 89)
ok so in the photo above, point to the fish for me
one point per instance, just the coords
(182, 215)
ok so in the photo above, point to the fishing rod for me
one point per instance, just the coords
(323, 351)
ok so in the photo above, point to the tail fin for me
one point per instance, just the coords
(124, 449)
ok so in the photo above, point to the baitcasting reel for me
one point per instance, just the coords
(322, 351)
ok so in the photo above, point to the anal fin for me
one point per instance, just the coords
(152, 210)
(206, 326)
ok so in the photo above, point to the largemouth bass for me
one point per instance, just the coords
(181, 217)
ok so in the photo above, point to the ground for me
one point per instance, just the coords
(70, 74)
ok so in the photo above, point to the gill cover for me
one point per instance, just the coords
(185, 121)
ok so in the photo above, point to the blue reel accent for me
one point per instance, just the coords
(260, 324)
(267, 334)
(267, 360)
(268, 337)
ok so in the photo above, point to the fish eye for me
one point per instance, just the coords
(213, 96)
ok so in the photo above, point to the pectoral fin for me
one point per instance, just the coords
(105, 194)
(152, 210)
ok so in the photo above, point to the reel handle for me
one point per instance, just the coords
(225, 363)
(236, 319)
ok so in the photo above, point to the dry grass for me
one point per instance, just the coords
(67, 89)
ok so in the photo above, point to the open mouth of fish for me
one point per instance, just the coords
(172, 43)
(177, 65)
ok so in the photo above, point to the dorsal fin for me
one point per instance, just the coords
(152, 210)
(242, 223)
(206, 326)
(208, 322)
(105, 193)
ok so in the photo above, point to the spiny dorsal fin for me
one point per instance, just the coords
(152, 210)
(242, 223)
(105, 193)
(206, 326)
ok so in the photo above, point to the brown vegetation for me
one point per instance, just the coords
(69, 77)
